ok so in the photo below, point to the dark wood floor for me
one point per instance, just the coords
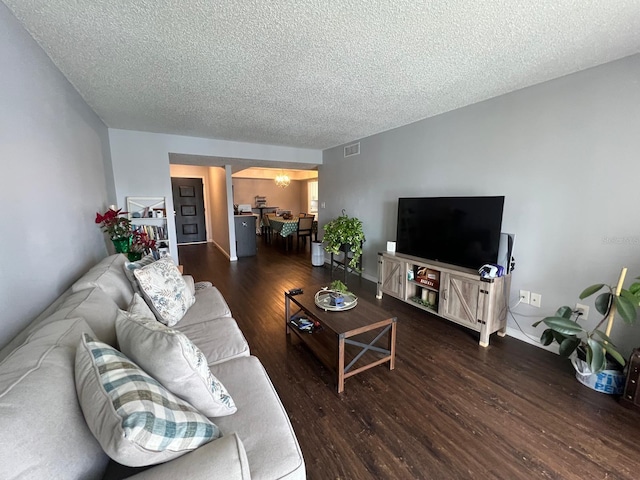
(450, 409)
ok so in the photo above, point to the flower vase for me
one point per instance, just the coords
(134, 256)
(121, 244)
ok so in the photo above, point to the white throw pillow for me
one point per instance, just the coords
(165, 290)
(172, 359)
(135, 419)
(139, 307)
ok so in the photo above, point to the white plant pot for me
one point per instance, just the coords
(607, 381)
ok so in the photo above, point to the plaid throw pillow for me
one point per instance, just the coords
(136, 420)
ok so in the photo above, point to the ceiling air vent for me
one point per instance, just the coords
(351, 150)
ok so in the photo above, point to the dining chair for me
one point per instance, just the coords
(305, 225)
(303, 214)
(266, 226)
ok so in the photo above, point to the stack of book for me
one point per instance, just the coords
(305, 325)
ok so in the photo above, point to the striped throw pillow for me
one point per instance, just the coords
(136, 420)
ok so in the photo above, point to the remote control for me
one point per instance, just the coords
(295, 291)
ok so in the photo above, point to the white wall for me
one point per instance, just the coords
(53, 150)
(566, 155)
(141, 165)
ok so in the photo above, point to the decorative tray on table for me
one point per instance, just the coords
(324, 300)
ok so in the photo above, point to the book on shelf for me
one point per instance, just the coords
(154, 232)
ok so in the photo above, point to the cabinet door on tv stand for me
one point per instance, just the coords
(393, 278)
(461, 300)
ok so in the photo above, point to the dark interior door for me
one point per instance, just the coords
(188, 201)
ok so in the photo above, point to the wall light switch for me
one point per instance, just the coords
(323, 205)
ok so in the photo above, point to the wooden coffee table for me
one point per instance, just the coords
(355, 334)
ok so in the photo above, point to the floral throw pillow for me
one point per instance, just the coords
(165, 290)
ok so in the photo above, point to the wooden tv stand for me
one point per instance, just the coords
(454, 293)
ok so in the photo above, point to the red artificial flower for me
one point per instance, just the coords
(115, 225)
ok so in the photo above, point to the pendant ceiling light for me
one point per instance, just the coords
(283, 180)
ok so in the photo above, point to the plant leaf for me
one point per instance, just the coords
(626, 309)
(587, 292)
(634, 288)
(602, 302)
(603, 336)
(597, 363)
(614, 353)
(547, 337)
(559, 337)
(568, 346)
(631, 297)
(535, 324)
(563, 325)
(564, 312)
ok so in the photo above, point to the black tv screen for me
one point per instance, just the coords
(462, 231)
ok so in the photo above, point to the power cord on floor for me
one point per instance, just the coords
(536, 340)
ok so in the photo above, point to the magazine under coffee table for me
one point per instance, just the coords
(356, 334)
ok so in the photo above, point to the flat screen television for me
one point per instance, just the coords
(462, 231)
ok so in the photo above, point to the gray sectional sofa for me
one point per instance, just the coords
(43, 432)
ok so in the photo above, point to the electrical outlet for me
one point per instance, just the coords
(536, 300)
(525, 297)
(584, 309)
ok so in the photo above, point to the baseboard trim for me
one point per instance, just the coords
(224, 252)
(518, 335)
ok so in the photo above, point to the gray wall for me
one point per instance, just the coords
(566, 155)
(54, 152)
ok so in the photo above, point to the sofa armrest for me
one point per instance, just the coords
(222, 458)
(190, 283)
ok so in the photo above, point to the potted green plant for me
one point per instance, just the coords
(593, 344)
(345, 234)
(118, 227)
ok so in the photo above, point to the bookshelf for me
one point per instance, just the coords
(149, 214)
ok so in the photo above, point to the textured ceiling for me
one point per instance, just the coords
(315, 73)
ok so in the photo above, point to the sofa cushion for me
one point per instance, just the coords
(136, 420)
(220, 339)
(209, 304)
(129, 267)
(109, 276)
(172, 359)
(261, 421)
(43, 433)
(224, 459)
(165, 290)
(95, 307)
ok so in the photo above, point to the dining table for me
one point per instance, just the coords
(283, 227)
(287, 227)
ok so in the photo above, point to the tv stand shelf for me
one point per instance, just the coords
(455, 293)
